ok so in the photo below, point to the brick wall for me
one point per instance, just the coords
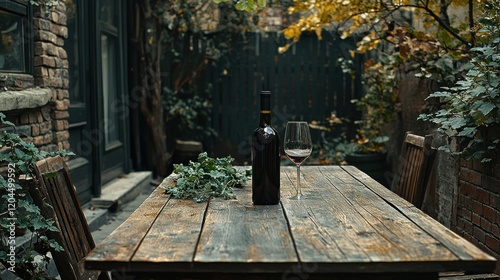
(46, 125)
(478, 204)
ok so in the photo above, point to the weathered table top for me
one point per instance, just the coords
(347, 225)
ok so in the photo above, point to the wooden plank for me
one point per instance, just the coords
(239, 233)
(284, 83)
(293, 82)
(471, 257)
(320, 92)
(217, 108)
(173, 237)
(302, 67)
(118, 248)
(489, 276)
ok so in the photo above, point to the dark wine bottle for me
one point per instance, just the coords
(265, 157)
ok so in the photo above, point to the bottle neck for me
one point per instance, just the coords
(265, 109)
(265, 118)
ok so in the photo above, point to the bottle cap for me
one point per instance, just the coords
(265, 100)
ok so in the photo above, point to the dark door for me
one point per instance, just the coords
(112, 88)
(97, 90)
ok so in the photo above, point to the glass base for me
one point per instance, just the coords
(297, 197)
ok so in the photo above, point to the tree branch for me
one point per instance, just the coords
(440, 21)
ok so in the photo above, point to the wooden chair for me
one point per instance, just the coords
(53, 186)
(417, 157)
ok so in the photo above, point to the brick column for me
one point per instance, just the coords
(51, 71)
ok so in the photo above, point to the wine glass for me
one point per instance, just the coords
(298, 147)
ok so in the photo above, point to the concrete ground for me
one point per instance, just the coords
(117, 218)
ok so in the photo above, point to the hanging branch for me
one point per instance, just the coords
(441, 21)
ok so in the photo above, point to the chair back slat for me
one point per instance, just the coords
(55, 188)
(77, 243)
(411, 179)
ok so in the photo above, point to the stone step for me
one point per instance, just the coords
(114, 195)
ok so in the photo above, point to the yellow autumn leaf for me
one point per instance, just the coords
(291, 32)
(284, 48)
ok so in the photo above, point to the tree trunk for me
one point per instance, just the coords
(148, 34)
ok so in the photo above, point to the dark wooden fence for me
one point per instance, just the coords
(306, 83)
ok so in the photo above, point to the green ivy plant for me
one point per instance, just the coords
(207, 177)
(378, 104)
(17, 157)
(472, 105)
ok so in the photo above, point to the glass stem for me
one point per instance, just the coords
(299, 193)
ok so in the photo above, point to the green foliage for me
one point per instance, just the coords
(378, 104)
(189, 113)
(16, 204)
(246, 5)
(207, 177)
(196, 35)
(331, 150)
(175, 43)
(472, 104)
(333, 143)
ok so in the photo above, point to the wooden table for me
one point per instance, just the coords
(348, 227)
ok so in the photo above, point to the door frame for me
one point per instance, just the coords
(103, 173)
(90, 63)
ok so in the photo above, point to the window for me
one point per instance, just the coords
(16, 38)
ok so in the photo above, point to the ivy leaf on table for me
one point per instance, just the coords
(207, 177)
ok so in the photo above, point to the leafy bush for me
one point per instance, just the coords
(472, 105)
(332, 145)
(17, 206)
(189, 113)
(378, 104)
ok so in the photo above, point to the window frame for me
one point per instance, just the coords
(25, 10)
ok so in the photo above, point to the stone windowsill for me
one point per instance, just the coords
(24, 99)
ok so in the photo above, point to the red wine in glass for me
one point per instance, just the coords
(297, 156)
(298, 147)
